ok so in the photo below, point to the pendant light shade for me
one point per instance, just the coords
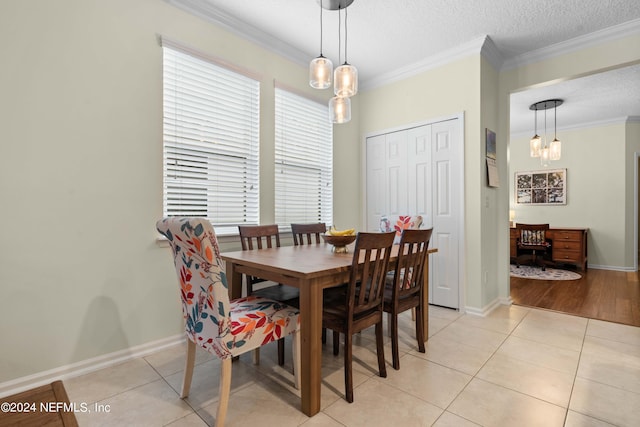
(535, 145)
(320, 71)
(340, 109)
(320, 68)
(545, 156)
(345, 79)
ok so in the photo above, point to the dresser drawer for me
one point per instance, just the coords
(567, 235)
(563, 255)
(570, 245)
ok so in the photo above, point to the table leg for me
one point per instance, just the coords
(311, 347)
(234, 281)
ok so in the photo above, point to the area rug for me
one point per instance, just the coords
(46, 405)
(530, 272)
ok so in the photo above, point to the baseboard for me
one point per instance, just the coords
(484, 311)
(18, 385)
(610, 267)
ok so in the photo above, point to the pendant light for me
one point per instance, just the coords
(320, 68)
(534, 144)
(555, 149)
(345, 77)
(339, 106)
(538, 146)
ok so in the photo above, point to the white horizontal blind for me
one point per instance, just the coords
(211, 142)
(303, 160)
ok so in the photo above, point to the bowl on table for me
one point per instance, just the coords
(339, 242)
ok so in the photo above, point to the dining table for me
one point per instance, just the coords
(310, 268)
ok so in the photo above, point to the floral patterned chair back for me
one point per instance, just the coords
(203, 284)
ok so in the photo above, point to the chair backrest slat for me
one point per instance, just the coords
(367, 280)
(259, 236)
(309, 231)
(409, 273)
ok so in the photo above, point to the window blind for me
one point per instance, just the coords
(303, 160)
(211, 142)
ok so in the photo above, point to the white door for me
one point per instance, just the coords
(446, 186)
(413, 172)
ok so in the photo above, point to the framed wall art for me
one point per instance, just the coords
(544, 187)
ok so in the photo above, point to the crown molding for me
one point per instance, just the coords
(472, 47)
(241, 29)
(588, 40)
(586, 125)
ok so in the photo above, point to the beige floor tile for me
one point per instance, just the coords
(262, 402)
(443, 313)
(543, 383)
(454, 355)
(614, 332)
(428, 381)
(540, 354)
(447, 419)
(611, 362)
(479, 338)
(110, 381)
(153, 404)
(378, 404)
(503, 319)
(488, 404)
(606, 403)
(437, 324)
(554, 329)
(321, 420)
(574, 419)
(172, 359)
(191, 420)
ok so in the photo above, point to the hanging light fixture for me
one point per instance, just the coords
(345, 77)
(538, 146)
(340, 109)
(320, 68)
(534, 144)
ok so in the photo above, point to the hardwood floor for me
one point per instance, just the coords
(613, 296)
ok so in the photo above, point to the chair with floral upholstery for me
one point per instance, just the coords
(405, 286)
(223, 327)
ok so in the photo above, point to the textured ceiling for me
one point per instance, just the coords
(385, 37)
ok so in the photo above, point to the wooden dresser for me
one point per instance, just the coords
(568, 245)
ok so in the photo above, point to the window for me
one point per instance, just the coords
(303, 160)
(210, 144)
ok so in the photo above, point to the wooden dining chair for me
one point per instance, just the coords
(223, 327)
(256, 237)
(361, 305)
(311, 232)
(405, 286)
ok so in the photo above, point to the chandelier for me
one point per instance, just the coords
(345, 77)
(538, 146)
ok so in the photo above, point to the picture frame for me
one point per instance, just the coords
(492, 165)
(541, 187)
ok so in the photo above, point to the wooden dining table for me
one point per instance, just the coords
(310, 268)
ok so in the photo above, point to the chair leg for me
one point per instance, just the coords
(336, 343)
(188, 368)
(225, 390)
(380, 349)
(256, 356)
(348, 365)
(394, 341)
(296, 359)
(324, 335)
(281, 352)
(420, 328)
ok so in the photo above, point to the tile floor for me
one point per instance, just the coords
(516, 367)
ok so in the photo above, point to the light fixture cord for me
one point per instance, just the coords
(545, 125)
(339, 28)
(535, 120)
(346, 14)
(555, 121)
(320, 28)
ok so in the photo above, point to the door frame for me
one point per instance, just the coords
(462, 279)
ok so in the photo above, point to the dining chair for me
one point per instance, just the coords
(256, 237)
(311, 232)
(532, 244)
(359, 306)
(223, 327)
(405, 286)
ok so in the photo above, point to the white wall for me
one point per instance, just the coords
(81, 174)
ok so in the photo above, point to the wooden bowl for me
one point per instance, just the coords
(339, 242)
